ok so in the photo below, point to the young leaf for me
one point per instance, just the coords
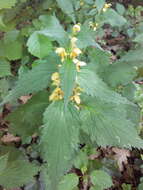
(26, 119)
(34, 80)
(68, 78)
(107, 124)
(59, 139)
(94, 86)
(101, 179)
(39, 45)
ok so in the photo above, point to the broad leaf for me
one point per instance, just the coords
(119, 74)
(100, 4)
(6, 4)
(107, 124)
(26, 119)
(17, 173)
(101, 179)
(113, 18)
(67, 7)
(39, 45)
(4, 68)
(59, 139)
(68, 78)
(34, 80)
(69, 182)
(94, 86)
(53, 29)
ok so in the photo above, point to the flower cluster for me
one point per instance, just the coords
(93, 25)
(106, 6)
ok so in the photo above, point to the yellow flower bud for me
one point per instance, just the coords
(76, 28)
(106, 6)
(75, 53)
(56, 95)
(55, 76)
(61, 52)
(73, 42)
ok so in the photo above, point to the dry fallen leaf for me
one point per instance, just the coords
(121, 156)
(8, 138)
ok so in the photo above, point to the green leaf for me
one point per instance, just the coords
(119, 74)
(107, 124)
(3, 162)
(94, 86)
(139, 38)
(67, 7)
(100, 4)
(39, 45)
(69, 182)
(6, 4)
(17, 173)
(126, 186)
(68, 78)
(120, 8)
(4, 68)
(86, 37)
(34, 80)
(26, 119)
(53, 29)
(101, 179)
(113, 18)
(59, 139)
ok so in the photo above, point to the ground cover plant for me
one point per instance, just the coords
(71, 95)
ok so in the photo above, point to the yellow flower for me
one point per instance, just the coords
(106, 6)
(73, 42)
(76, 28)
(61, 52)
(56, 78)
(56, 95)
(76, 99)
(79, 64)
(75, 53)
(93, 25)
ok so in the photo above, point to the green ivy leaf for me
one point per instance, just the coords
(6, 4)
(26, 119)
(68, 78)
(101, 179)
(59, 139)
(39, 45)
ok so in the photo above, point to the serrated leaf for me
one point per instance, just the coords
(113, 18)
(107, 124)
(4, 68)
(100, 4)
(94, 86)
(17, 173)
(53, 29)
(101, 179)
(26, 119)
(119, 74)
(69, 182)
(34, 80)
(59, 139)
(67, 7)
(39, 45)
(6, 4)
(86, 37)
(68, 78)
